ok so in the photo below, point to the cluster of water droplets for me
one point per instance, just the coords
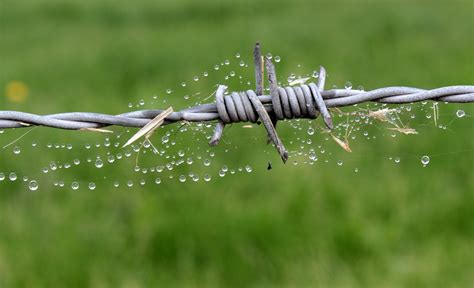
(179, 153)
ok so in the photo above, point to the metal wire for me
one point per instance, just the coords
(209, 112)
(304, 101)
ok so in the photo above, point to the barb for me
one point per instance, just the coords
(304, 101)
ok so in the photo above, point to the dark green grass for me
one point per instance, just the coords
(298, 226)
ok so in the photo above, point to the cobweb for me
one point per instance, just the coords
(41, 158)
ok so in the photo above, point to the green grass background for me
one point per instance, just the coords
(294, 226)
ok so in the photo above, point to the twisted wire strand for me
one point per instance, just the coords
(295, 102)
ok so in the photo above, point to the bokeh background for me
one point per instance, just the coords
(322, 225)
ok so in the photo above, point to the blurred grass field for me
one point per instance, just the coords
(389, 225)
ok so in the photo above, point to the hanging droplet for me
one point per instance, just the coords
(12, 176)
(99, 163)
(33, 185)
(425, 160)
(460, 113)
(75, 185)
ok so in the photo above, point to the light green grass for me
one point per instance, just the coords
(294, 226)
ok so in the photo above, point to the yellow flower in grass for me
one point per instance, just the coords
(16, 91)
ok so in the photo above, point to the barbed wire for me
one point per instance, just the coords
(302, 101)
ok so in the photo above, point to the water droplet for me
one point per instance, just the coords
(397, 160)
(16, 150)
(207, 162)
(348, 85)
(12, 176)
(237, 55)
(425, 160)
(226, 62)
(310, 131)
(168, 91)
(183, 84)
(157, 181)
(315, 74)
(340, 162)
(182, 178)
(33, 185)
(207, 177)
(269, 56)
(216, 67)
(75, 185)
(241, 63)
(2, 176)
(196, 78)
(92, 186)
(460, 113)
(248, 168)
(141, 102)
(99, 163)
(277, 59)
